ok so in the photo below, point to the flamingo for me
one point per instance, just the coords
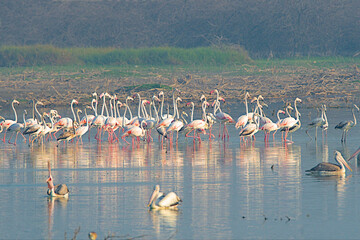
(60, 190)
(347, 125)
(15, 128)
(317, 122)
(159, 200)
(326, 169)
(221, 116)
(198, 125)
(243, 119)
(99, 120)
(297, 126)
(176, 125)
(165, 123)
(288, 123)
(66, 123)
(269, 127)
(6, 124)
(80, 131)
(151, 122)
(251, 128)
(135, 131)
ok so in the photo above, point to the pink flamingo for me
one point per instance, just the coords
(7, 123)
(80, 131)
(243, 119)
(250, 129)
(135, 131)
(287, 123)
(66, 123)
(15, 128)
(269, 127)
(221, 116)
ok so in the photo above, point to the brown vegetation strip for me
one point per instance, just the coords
(333, 87)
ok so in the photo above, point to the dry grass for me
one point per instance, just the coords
(334, 86)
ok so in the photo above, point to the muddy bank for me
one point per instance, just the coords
(335, 87)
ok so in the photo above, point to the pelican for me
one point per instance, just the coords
(60, 190)
(160, 201)
(326, 169)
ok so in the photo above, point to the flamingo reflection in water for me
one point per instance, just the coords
(159, 200)
(326, 169)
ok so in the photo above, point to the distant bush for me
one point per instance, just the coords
(36, 55)
(48, 55)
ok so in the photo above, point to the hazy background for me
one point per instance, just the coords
(279, 28)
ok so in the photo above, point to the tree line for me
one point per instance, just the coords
(279, 28)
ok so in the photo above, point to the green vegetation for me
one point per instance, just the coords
(46, 55)
(145, 87)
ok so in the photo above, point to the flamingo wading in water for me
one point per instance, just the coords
(347, 125)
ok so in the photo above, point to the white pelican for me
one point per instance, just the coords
(159, 200)
(60, 190)
(326, 169)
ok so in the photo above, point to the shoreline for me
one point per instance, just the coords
(336, 88)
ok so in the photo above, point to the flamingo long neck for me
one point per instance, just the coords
(127, 107)
(96, 105)
(156, 112)
(14, 111)
(78, 117)
(287, 112)
(174, 103)
(246, 105)
(24, 118)
(278, 115)
(162, 106)
(296, 111)
(192, 112)
(139, 107)
(150, 110)
(86, 117)
(72, 109)
(354, 117)
(33, 110)
(111, 108)
(217, 105)
(144, 112)
(123, 121)
(115, 107)
(103, 106)
(37, 111)
(203, 106)
(94, 108)
(177, 111)
(106, 109)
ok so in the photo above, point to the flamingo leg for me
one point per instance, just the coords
(11, 137)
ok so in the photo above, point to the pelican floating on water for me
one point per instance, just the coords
(159, 200)
(60, 190)
(326, 169)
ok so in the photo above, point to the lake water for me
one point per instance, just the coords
(229, 190)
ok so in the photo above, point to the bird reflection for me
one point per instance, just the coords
(61, 204)
(164, 219)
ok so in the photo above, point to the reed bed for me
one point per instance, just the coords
(47, 55)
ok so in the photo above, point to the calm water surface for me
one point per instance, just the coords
(229, 191)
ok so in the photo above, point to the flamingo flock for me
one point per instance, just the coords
(117, 121)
